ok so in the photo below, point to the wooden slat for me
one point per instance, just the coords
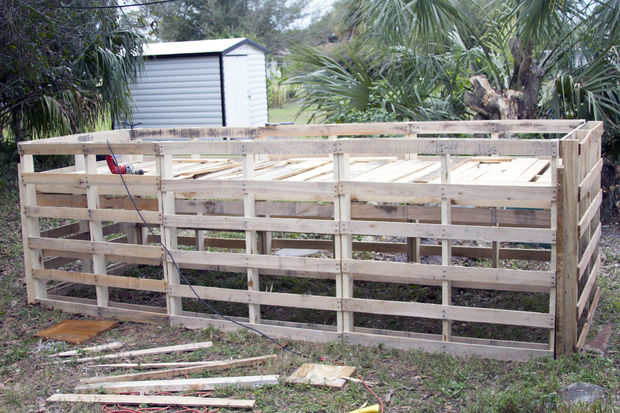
(177, 385)
(414, 272)
(586, 184)
(97, 247)
(94, 349)
(364, 190)
(92, 309)
(258, 297)
(115, 215)
(182, 371)
(590, 319)
(453, 232)
(222, 187)
(448, 312)
(255, 260)
(594, 207)
(156, 400)
(587, 289)
(115, 281)
(589, 251)
(434, 127)
(60, 231)
(84, 180)
(456, 348)
(62, 148)
(386, 146)
(252, 224)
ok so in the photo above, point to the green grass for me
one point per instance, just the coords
(288, 113)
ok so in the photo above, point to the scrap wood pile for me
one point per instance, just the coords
(156, 386)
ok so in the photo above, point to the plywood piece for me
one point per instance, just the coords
(77, 331)
(321, 375)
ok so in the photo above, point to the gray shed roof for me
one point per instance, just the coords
(216, 46)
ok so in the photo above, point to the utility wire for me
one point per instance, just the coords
(118, 6)
(186, 281)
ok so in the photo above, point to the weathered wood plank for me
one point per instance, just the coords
(156, 400)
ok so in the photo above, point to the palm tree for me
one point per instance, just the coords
(494, 59)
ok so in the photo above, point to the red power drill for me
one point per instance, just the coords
(122, 169)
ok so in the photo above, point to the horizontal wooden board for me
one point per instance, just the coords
(414, 272)
(432, 127)
(116, 215)
(257, 297)
(384, 146)
(252, 224)
(41, 147)
(257, 261)
(460, 349)
(115, 281)
(125, 399)
(97, 247)
(362, 191)
(86, 180)
(118, 313)
(223, 188)
(449, 312)
(453, 232)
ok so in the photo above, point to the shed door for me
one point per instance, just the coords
(178, 92)
(236, 91)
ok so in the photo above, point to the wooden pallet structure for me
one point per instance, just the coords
(479, 196)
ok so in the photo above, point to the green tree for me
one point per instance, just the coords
(493, 59)
(64, 65)
(265, 21)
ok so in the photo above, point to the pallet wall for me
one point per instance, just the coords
(450, 241)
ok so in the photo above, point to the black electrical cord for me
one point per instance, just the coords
(186, 281)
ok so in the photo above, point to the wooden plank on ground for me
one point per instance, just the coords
(182, 371)
(108, 346)
(177, 385)
(149, 351)
(155, 400)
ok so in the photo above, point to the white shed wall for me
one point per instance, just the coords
(178, 92)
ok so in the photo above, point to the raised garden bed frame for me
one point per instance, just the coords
(563, 215)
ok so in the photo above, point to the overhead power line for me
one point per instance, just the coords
(118, 6)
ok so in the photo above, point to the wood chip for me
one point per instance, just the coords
(321, 375)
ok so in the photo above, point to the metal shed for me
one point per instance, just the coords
(202, 83)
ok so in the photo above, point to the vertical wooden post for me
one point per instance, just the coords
(200, 237)
(87, 264)
(343, 248)
(495, 256)
(446, 253)
(33, 258)
(264, 241)
(96, 232)
(566, 300)
(553, 225)
(251, 239)
(411, 156)
(168, 234)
